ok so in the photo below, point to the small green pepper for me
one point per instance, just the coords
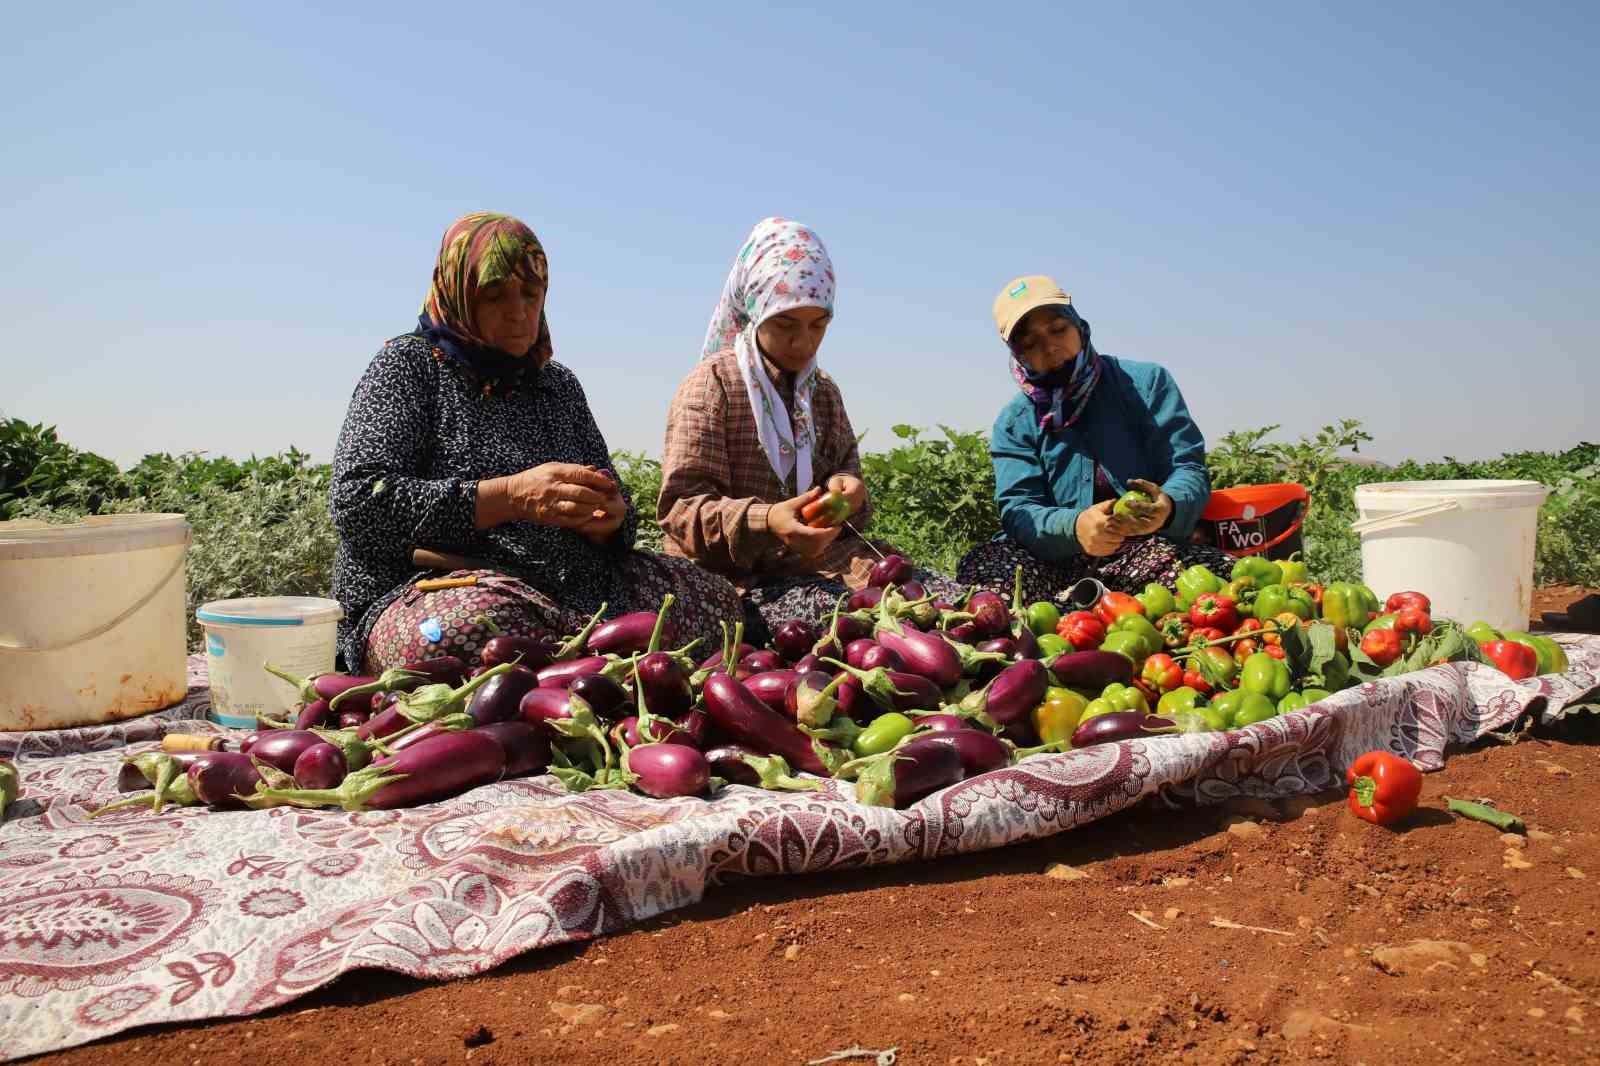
(1202, 719)
(1051, 645)
(1552, 657)
(1141, 627)
(1182, 698)
(1059, 714)
(1383, 621)
(1266, 676)
(1196, 582)
(1252, 709)
(1261, 570)
(1296, 701)
(1348, 605)
(1482, 631)
(1157, 600)
(1129, 644)
(883, 734)
(1295, 572)
(1043, 617)
(1124, 698)
(1273, 600)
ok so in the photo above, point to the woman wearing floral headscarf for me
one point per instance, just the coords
(756, 431)
(466, 448)
(1084, 429)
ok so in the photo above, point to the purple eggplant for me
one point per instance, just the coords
(1027, 643)
(965, 632)
(421, 733)
(352, 719)
(854, 703)
(910, 772)
(878, 655)
(1092, 670)
(865, 599)
(731, 762)
(749, 721)
(605, 697)
(250, 739)
(1006, 646)
(666, 684)
(890, 570)
(990, 614)
(313, 715)
(895, 690)
(760, 662)
(694, 728)
(1021, 733)
(394, 679)
(794, 638)
(527, 749)
(139, 772)
(667, 771)
(912, 590)
(319, 687)
(541, 706)
(498, 699)
(662, 731)
(385, 722)
(1012, 695)
(533, 652)
(980, 751)
(439, 670)
(807, 663)
(772, 687)
(563, 674)
(320, 766)
(856, 650)
(641, 631)
(927, 654)
(943, 723)
(440, 767)
(714, 660)
(1120, 725)
(280, 749)
(812, 698)
(221, 778)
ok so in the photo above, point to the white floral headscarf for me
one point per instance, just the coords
(782, 266)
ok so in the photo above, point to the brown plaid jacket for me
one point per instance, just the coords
(717, 486)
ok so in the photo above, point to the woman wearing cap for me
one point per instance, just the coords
(1084, 429)
(756, 431)
(466, 448)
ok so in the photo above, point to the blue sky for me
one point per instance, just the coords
(216, 213)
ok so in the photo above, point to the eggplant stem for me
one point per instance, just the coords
(661, 623)
(575, 645)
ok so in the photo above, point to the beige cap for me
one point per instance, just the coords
(1022, 295)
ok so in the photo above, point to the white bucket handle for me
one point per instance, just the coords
(106, 627)
(1372, 525)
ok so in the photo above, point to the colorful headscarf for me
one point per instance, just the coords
(1060, 397)
(782, 266)
(478, 250)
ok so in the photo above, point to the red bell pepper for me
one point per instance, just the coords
(1210, 609)
(1162, 672)
(1383, 646)
(1113, 605)
(1176, 630)
(1401, 600)
(1206, 634)
(1408, 620)
(1248, 625)
(1516, 661)
(1244, 648)
(1384, 788)
(1197, 681)
(1315, 592)
(1276, 651)
(1082, 629)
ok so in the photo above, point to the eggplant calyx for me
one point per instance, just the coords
(352, 794)
(388, 681)
(305, 687)
(432, 702)
(1054, 747)
(775, 774)
(830, 636)
(875, 783)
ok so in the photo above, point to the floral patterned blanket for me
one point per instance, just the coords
(133, 918)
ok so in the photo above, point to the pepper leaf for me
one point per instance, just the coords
(1296, 650)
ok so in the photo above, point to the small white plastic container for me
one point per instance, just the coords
(91, 619)
(298, 634)
(1469, 545)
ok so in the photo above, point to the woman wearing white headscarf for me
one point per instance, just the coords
(757, 430)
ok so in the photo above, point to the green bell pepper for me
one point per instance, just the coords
(1129, 644)
(1196, 582)
(1348, 605)
(1273, 600)
(1482, 631)
(1295, 701)
(1182, 698)
(1261, 570)
(1265, 675)
(1157, 600)
(1141, 627)
(1043, 617)
(1552, 658)
(1295, 572)
(1124, 698)
(884, 733)
(1051, 645)
(1202, 719)
(1252, 709)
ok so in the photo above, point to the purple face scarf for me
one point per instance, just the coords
(1060, 397)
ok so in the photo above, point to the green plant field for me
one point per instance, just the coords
(261, 525)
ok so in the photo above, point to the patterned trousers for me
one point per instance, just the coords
(1138, 562)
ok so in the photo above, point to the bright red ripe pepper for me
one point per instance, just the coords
(1243, 649)
(1162, 672)
(1113, 605)
(1206, 634)
(1383, 646)
(1401, 600)
(1315, 592)
(1412, 620)
(1218, 612)
(1249, 625)
(1276, 651)
(1196, 680)
(1082, 629)
(1516, 661)
(1384, 788)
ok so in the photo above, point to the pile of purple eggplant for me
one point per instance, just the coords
(900, 692)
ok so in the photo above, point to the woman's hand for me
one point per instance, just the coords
(784, 520)
(605, 521)
(851, 488)
(1095, 533)
(1141, 520)
(552, 494)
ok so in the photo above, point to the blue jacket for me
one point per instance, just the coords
(1136, 425)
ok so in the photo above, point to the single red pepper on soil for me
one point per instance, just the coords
(1218, 612)
(1409, 620)
(1162, 672)
(1383, 646)
(1113, 605)
(1082, 629)
(1516, 661)
(1384, 788)
(1401, 600)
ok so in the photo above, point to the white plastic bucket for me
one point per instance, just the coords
(1468, 545)
(297, 634)
(91, 619)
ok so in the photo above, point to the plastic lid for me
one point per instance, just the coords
(1473, 494)
(96, 535)
(270, 611)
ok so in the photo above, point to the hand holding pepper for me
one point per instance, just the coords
(1137, 520)
(785, 522)
(851, 488)
(1093, 527)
